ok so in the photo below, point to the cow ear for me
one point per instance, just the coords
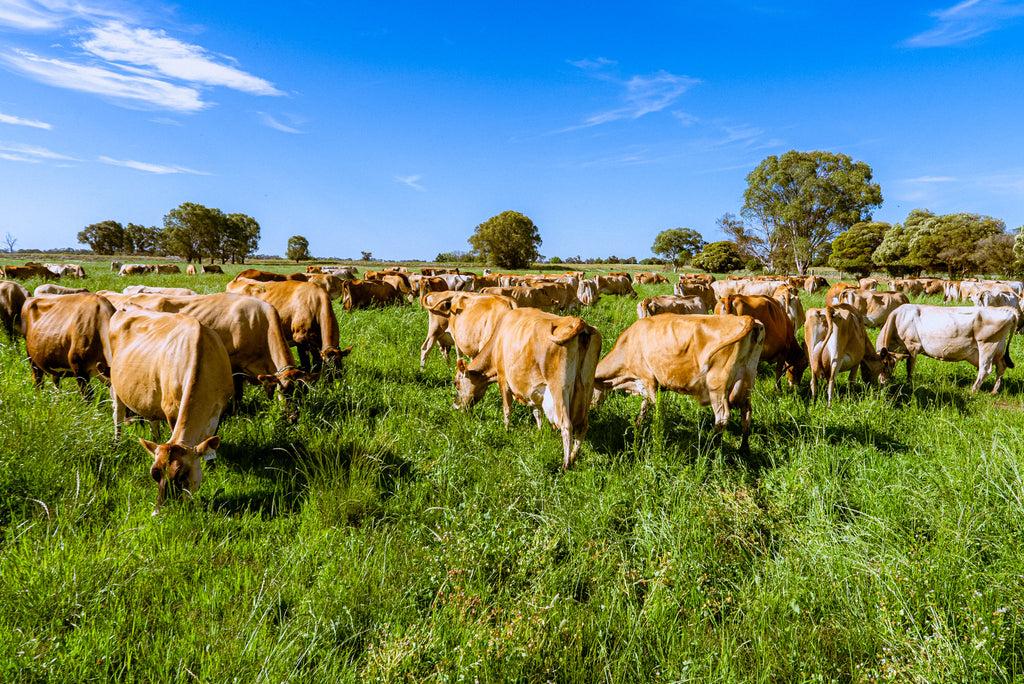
(460, 366)
(210, 444)
(268, 380)
(151, 447)
(346, 352)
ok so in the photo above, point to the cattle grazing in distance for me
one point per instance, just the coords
(170, 367)
(67, 336)
(190, 269)
(544, 361)
(814, 283)
(308, 322)
(649, 278)
(165, 291)
(363, 294)
(61, 270)
(780, 344)
(978, 335)
(837, 341)
(136, 269)
(265, 276)
(711, 358)
(28, 271)
(212, 268)
(115, 266)
(168, 268)
(12, 298)
(587, 292)
(677, 304)
(615, 284)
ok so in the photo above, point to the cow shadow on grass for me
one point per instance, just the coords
(279, 481)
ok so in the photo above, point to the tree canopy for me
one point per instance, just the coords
(948, 242)
(802, 199)
(678, 244)
(508, 240)
(106, 237)
(193, 232)
(719, 257)
(298, 249)
(852, 249)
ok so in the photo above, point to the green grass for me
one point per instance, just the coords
(386, 537)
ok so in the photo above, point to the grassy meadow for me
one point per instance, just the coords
(387, 537)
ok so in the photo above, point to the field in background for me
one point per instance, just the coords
(385, 536)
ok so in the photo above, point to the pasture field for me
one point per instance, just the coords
(387, 537)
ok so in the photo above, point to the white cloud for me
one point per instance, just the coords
(31, 153)
(640, 94)
(138, 91)
(270, 121)
(152, 168)
(47, 15)
(411, 181)
(116, 42)
(966, 20)
(18, 121)
(929, 179)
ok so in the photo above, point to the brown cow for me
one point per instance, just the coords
(251, 332)
(837, 341)
(168, 268)
(780, 343)
(53, 289)
(524, 296)
(615, 284)
(67, 337)
(190, 269)
(165, 291)
(544, 361)
(136, 269)
(649, 278)
(832, 296)
(267, 276)
(362, 294)
(12, 297)
(677, 304)
(814, 283)
(874, 307)
(468, 319)
(26, 272)
(789, 298)
(308, 321)
(685, 288)
(711, 358)
(170, 367)
(212, 268)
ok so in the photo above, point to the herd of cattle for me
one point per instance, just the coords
(172, 355)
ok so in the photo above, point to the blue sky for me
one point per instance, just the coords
(396, 127)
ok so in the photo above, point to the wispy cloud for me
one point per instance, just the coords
(966, 20)
(47, 15)
(411, 181)
(140, 47)
(30, 153)
(140, 92)
(18, 121)
(639, 95)
(928, 179)
(270, 121)
(160, 169)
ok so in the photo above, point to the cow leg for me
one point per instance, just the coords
(569, 448)
(425, 348)
(303, 354)
(506, 401)
(37, 375)
(911, 360)
(120, 413)
(746, 416)
(720, 406)
(538, 416)
(779, 367)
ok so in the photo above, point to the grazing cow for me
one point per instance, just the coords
(267, 276)
(649, 278)
(814, 283)
(212, 268)
(724, 288)
(250, 330)
(28, 271)
(867, 284)
(168, 268)
(677, 304)
(165, 291)
(837, 341)
(910, 286)
(615, 284)
(466, 319)
(526, 296)
(308, 321)
(874, 307)
(711, 358)
(67, 337)
(780, 343)
(115, 266)
(587, 292)
(997, 295)
(60, 270)
(190, 269)
(703, 278)
(314, 269)
(51, 289)
(544, 361)
(362, 294)
(170, 367)
(343, 272)
(692, 287)
(12, 298)
(979, 335)
(246, 286)
(331, 284)
(136, 269)
(832, 296)
(789, 298)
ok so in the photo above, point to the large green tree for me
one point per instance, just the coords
(144, 239)
(678, 245)
(852, 249)
(508, 240)
(719, 257)
(802, 199)
(190, 230)
(298, 249)
(948, 242)
(106, 237)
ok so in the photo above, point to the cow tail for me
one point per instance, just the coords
(1006, 355)
(748, 324)
(564, 331)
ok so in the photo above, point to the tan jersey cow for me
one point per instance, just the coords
(873, 307)
(67, 337)
(711, 358)
(362, 294)
(837, 341)
(170, 367)
(780, 343)
(677, 304)
(308, 321)
(12, 297)
(544, 361)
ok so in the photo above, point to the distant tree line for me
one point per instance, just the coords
(190, 231)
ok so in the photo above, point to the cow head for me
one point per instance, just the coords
(889, 360)
(470, 386)
(332, 357)
(178, 468)
(796, 364)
